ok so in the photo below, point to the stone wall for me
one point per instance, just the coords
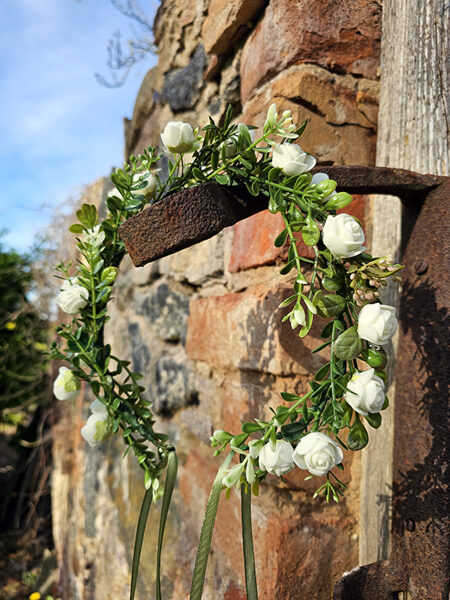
(203, 324)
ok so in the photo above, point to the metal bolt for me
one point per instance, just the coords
(420, 266)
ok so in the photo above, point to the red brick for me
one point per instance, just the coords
(357, 208)
(342, 36)
(253, 242)
(244, 330)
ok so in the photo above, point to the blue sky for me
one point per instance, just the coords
(59, 128)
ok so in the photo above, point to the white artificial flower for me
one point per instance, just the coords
(343, 236)
(96, 429)
(178, 137)
(95, 236)
(72, 297)
(278, 460)
(66, 385)
(377, 323)
(317, 453)
(366, 392)
(291, 159)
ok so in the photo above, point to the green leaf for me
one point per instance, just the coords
(222, 179)
(281, 239)
(238, 439)
(214, 159)
(87, 215)
(289, 397)
(357, 436)
(228, 116)
(322, 372)
(309, 321)
(325, 188)
(255, 188)
(292, 431)
(339, 200)
(376, 358)
(374, 420)
(333, 284)
(327, 330)
(198, 174)
(287, 267)
(76, 228)
(310, 232)
(329, 305)
(302, 127)
(309, 304)
(348, 345)
(288, 301)
(302, 181)
(251, 427)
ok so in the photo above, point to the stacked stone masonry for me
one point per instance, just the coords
(203, 324)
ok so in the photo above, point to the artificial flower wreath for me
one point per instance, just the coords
(341, 285)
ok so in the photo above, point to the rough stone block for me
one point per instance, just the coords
(227, 22)
(166, 311)
(197, 264)
(181, 87)
(244, 330)
(344, 37)
(174, 385)
(339, 130)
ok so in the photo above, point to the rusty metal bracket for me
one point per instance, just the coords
(418, 568)
(198, 213)
(419, 561)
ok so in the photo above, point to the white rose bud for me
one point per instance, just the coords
(291, 159)
(272, 116)
(254, 448)
(72, 297)
(96, 429)
(233, 477)
(366, 392)
(377, 323)
(66, 385)
(343, 236)
(178, 137)
(317, 453)
(276, 461)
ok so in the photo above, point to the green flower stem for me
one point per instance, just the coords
(314, 273)
(293, 243)
(332, 363)
(169, 179)
(233, 159)
(294, 193)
